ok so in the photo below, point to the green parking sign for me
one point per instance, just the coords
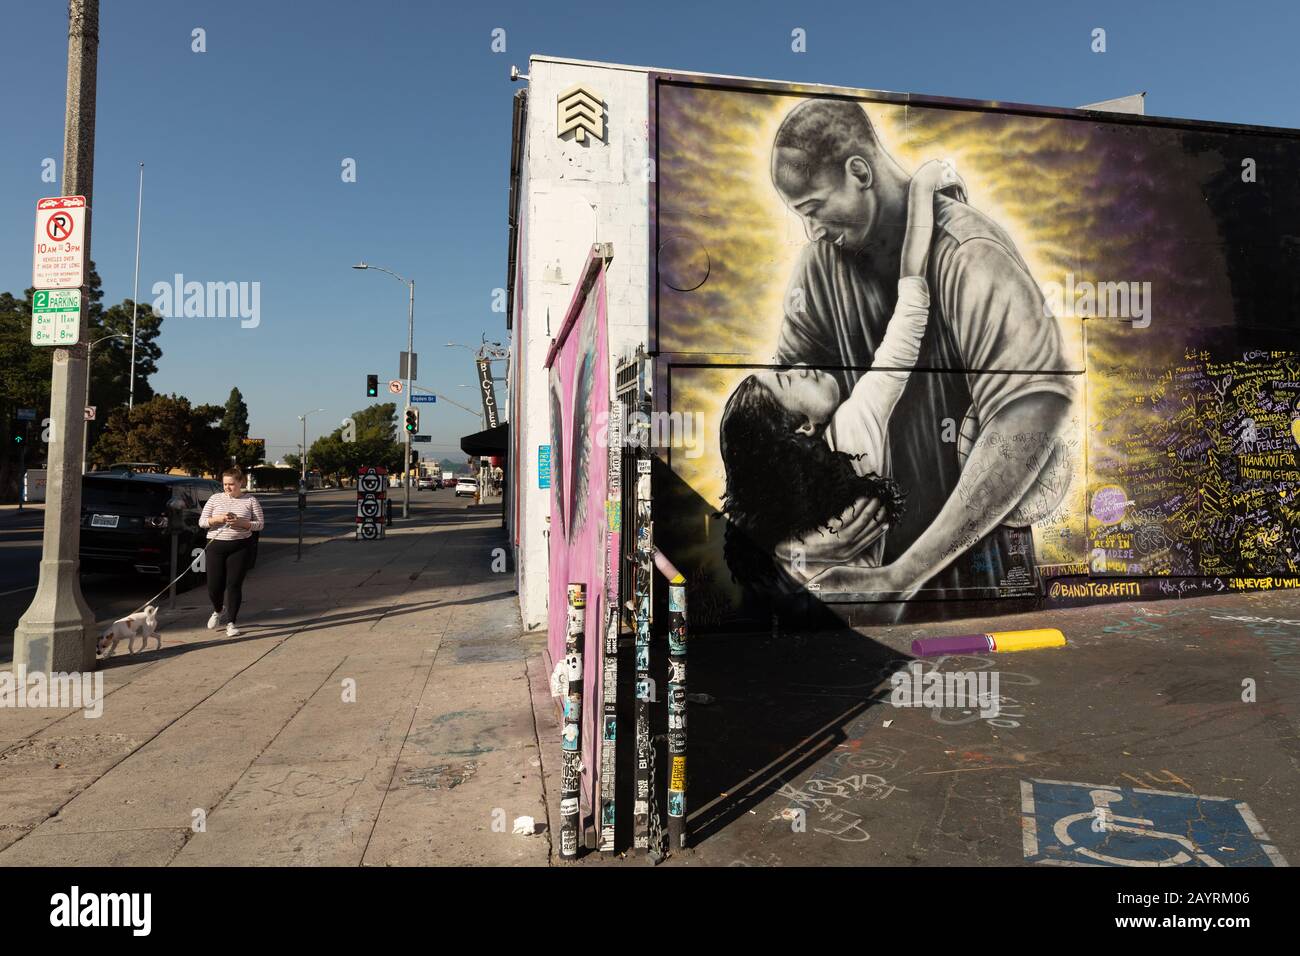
(56, 317)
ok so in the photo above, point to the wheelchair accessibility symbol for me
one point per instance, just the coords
(1080, 824)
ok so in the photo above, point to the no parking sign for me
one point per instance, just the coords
(59, 250)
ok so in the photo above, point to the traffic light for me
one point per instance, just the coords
(372, 386)
(415, 458)
(412, 420)
(19, 438)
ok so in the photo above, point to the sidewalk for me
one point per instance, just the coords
(252, 737)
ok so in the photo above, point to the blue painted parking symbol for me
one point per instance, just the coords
(1081, 824)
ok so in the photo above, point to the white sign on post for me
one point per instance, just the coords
(56, 316)
(59, 251)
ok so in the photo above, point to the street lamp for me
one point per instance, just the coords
(410, 361)
(302, 463)
(90, 354)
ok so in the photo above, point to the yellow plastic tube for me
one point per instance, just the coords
(1027, 640)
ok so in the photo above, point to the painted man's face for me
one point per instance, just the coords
(837, 203)
(807, 392)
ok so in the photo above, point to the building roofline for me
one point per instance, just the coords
(920, 99)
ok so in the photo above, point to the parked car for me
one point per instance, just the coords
(466, 486)
(126, 521)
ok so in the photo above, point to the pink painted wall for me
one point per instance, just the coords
(579, 384)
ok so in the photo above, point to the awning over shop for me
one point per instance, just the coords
(491, 441)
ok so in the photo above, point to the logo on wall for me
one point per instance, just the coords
(581, 111)
(372, 490)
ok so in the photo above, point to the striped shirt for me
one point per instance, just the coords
(245, 506)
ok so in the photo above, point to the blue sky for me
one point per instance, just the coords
(243, 146)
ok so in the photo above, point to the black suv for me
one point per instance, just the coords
(126, 520)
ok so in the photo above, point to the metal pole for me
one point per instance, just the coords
(90, 354)
(571, 745)
(410, 361)
(171, 588)
(643, 812)
(135, 288)
(676, 702)
(609, 699)
(57, 633)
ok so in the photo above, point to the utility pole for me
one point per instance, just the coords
(135, 287)
(410, 368)
(57, 632)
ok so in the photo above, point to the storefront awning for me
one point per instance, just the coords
(491, 441)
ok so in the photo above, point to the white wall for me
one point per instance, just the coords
(562, 179)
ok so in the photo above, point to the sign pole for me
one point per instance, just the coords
(56, 633)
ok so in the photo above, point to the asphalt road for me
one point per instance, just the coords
(329, 513)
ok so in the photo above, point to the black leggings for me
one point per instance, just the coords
(227, 563)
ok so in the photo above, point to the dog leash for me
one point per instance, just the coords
(188, 568)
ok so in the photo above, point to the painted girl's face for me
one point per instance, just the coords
(807, 392)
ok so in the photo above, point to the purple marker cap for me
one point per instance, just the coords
(961, 644)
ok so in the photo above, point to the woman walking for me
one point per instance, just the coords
(231, 517)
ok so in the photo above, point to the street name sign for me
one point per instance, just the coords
(56, 316)
(59, 250)
(424, 398)
(419, 438)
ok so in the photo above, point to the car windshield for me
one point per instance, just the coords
(116, 495)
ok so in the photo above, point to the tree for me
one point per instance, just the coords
(26, 379)
(234, 423)
(375, 444)
(167, 430)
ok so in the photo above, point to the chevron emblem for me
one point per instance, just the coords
(580, 110)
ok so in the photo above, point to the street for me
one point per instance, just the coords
(330, 513)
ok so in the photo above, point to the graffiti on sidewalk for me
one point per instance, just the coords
(831, 797)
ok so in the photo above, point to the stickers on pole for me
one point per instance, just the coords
(59, 250)
(56, 316)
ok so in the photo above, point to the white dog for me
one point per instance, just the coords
(141, 624)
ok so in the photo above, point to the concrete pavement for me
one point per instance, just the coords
(376, 711)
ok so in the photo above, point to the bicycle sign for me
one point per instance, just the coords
(1082, 824)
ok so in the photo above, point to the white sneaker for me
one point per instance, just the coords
(214, 620)
(232, 631)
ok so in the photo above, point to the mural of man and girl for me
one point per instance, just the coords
(918, 393)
